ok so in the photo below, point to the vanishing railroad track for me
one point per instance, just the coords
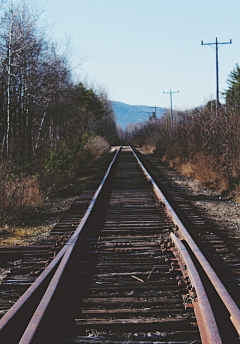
(129, 273)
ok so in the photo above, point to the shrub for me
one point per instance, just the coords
(65, 162)
(18, 194)
(97, 145)
(201, 144)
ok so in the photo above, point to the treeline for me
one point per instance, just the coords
(48, 124)
(40, 107)
(201, 143)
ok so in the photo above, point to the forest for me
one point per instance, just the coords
(202, 143)
(49, 124)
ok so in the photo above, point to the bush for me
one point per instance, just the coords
(59, 159)
(96, 146)
(65, 162)
(18, 194)
(201, 144)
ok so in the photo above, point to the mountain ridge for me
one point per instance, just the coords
(129, 114)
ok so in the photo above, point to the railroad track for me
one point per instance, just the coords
(129, 273)
(216, 243)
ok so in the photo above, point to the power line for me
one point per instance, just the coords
(217, 82)
(171, 103)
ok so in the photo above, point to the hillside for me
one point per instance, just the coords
(129, 114)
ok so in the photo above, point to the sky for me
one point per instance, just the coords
(138, 49)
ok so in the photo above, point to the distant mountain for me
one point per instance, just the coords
(129, 114)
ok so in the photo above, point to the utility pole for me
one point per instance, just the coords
(217, 83)
(171, 104)
(155, 113)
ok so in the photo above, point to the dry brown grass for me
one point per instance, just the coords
(201, 169)
(18, 194)
(204, 170)
(186, 169)
(149, 148)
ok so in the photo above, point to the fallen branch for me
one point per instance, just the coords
(137, 278)
(150, 274)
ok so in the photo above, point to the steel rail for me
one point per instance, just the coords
(226, 298)
(50, 273)
(43, 305)
(207, 326)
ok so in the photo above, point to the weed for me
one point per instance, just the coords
(17, 194)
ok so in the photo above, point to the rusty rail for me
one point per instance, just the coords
(226, 298)
(50, 275)
(206, 319)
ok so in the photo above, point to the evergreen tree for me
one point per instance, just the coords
(232, 94)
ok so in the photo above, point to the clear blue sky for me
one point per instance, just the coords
(137, 49)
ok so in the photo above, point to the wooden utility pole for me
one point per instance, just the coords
(217, 82)
(171, 104)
